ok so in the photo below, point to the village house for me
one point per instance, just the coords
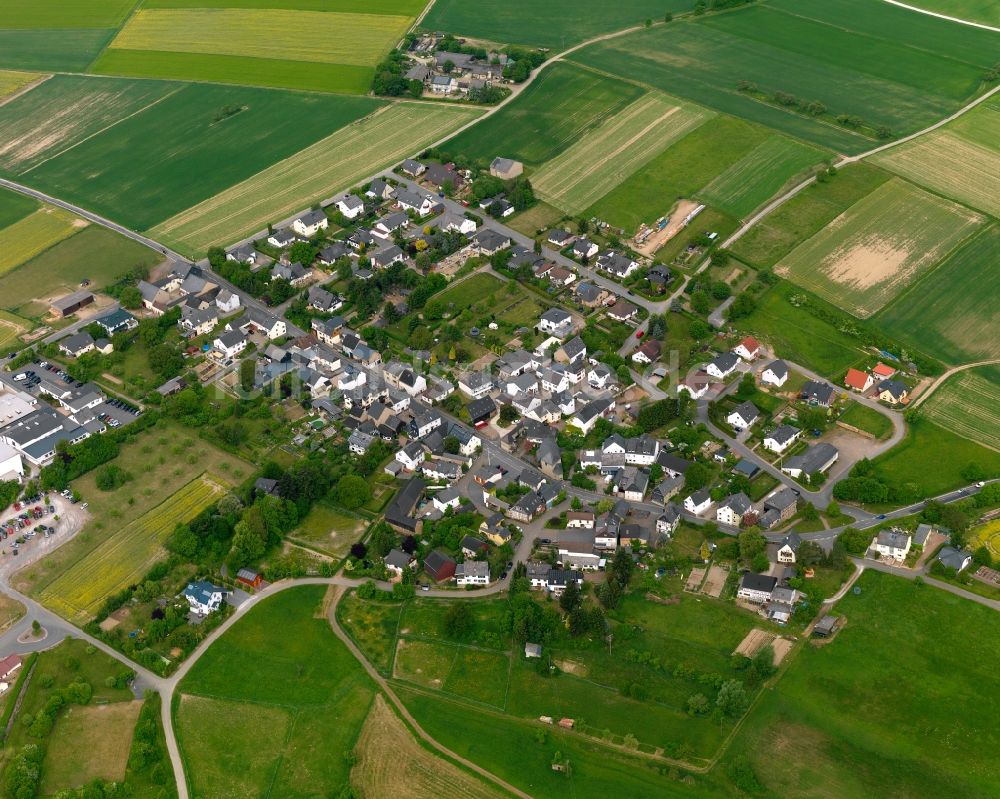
(723, 365)
(310, 223)
(78, 344)
(203, 597)
(778, 508)
(781, 438)
(743, 416)
(397, 561)
(892, 391)
(775, 374)
(472, 572)
(698, 502)
(785, 550)
(439, 566)
(351, 206)
(733, 508)
(858, 380)
(756, 588)
(623, 311)
(893, 544)
(816, 393)
(748, 349)
(815, 460)
(506, 168)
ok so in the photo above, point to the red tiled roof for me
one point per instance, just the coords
(856, 379)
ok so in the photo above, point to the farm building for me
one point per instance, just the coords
(439, 566)
(71, 303)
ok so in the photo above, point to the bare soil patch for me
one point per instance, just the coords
(755, 640)
(694, 580)
(715, 581)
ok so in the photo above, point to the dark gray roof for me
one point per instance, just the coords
(813, 459)
(758, 582)
(784, 433)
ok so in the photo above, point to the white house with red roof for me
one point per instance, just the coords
(748, 349)
(858, 380)
(883, 372)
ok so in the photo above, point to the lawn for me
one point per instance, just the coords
(286, 47)
(946, 314)
(469, 291)
(424, 618)
(808, 212)
(197, 141)
(302, 691)
(95, 254)
(867, 419)
(596, 163)
(12, 81)
(316, 172)
(373, 627)
(879, 246)
(76, 14)
(800, 336)
(11, 327)
(328, 529)
(384, 742)
(14, 207)
(926, 443)
(886, 65)
(961, 160)
(969, 404)
(540, 216)
(757, 177)
(904, 632)
(107, 731)
(122, 558)
(34, 234)
(555, 24)
(552, 113)
(161, 460)
(680, 171)
(10, 611)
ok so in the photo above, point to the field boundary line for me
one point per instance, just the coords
(102, 130)
(136, 6)
(27, 87)
(929, 13)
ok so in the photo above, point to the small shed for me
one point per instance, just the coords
(250, 578)
(533, 651)
(826, 626)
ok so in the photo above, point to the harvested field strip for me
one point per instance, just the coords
(64, 111)
(26, 238)
(878, 246)
(384, 742)
(318, 171)
(952, 165)
(12, 81)
(127, 554)
(609, 154)
(408, 7)
(969, 405)
(324, 36)
(754, 179)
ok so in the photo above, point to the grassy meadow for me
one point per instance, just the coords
(969, 404)
(15, 207)
(556, 24)
(961, 160)
(559, 107)
(904, 632)
(328, 529)
(34, 234)
(886, 65)
(620, 146)
(927, 442)
(867, 419)
(946, 314)
(313, 173)
(28, 14)
(302, 690)
(13, 80)
(808, 212)
(95, 254)
(878, 246)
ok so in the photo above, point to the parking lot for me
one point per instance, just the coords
(30, 541)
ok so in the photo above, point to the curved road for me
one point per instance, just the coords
(937, 383)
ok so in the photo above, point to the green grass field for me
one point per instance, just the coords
(808, 738)
(889, 66)
(219, 135)
(961, 160)
(985, 11)
(927, 442)
(879, 246)
(610, 153)
(15, 207)
(34, 234)
(316, 172)
(946, 314)
(555, 24)
(125, 556)
(329, 529)
(680, 171)
(555, 111)
(800, 336)
(302, 691)
(68, 50)
(95, 254)
(757, 177)
(469, 291)
(373, 627)
(11, 327)
(76, 14)
(406, 7)
(806, 214)
(867, 419)
(969, 404)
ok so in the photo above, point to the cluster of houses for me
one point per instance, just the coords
(879, 383)
(616, 264)
(187, 286)
(446, 73)
(894, 544)
(82, 342)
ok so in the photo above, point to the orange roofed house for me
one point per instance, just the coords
(748, 349)
(883, 372)
(858, 380)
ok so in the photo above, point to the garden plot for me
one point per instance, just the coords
(609, 154)
(879, 246)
